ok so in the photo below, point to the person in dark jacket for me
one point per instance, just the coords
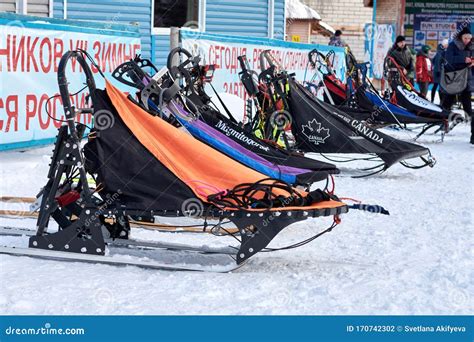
(437, 69)
(424, 75)
(402, 56)
(336, 39)
(459, 55)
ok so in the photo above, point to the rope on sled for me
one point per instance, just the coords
(304, 242)
(261, 195)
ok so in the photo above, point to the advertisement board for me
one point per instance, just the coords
(223, 51)
(30, 51)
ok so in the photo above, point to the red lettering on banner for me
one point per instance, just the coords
(103, 58)
(37, 108)
(49, 49)
(11, 111)
(31, 106)
(212, 55)
(5, 52)
(44, 124)
(1, 121)
(58, 52)
(255, 57)
(17, 54)
(227, 58)
(131, 55)
(218, 56)
(30, 53)
(96, 48)
(37, 54)
(110, 55)
(235, 88)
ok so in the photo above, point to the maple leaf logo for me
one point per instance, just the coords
(315, 132)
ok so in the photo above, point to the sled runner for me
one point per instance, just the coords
(145, 167)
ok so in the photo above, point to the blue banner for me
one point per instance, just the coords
(237, 328)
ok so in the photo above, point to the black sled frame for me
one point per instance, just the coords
(88, 224)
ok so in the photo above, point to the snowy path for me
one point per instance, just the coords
(419, 260)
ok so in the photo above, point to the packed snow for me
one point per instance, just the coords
(418, 260)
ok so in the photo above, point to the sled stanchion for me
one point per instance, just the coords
(69, 110)
(82, 236)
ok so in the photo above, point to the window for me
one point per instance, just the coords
(177, 13)
(8, 6)
(39, 8)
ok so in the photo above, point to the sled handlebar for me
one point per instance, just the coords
(134, 72)
(330, 57)
(314, 56)
(266, 55)
(243, 63)
(180, 68)
(178, 50)
(144, 62)
(69, 110)
(246, 76)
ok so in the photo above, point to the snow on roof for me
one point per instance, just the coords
(326, 26)
(295, 9)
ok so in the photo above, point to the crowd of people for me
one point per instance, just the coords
(454, 56)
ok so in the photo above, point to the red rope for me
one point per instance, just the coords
(331, 192)
(403, 76)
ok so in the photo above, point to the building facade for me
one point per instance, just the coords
(349, 16)
(303, 23)
(425, 22)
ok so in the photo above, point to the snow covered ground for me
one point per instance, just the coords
(418, 260)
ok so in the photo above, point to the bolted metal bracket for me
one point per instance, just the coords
(83, 236)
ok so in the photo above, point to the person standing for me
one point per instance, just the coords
(424, 74)
(336, 39)
(402, 56)
(458, 56)
(437, 60)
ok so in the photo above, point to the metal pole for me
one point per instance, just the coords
(374, 26)
(402, 18)
(174, 43)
